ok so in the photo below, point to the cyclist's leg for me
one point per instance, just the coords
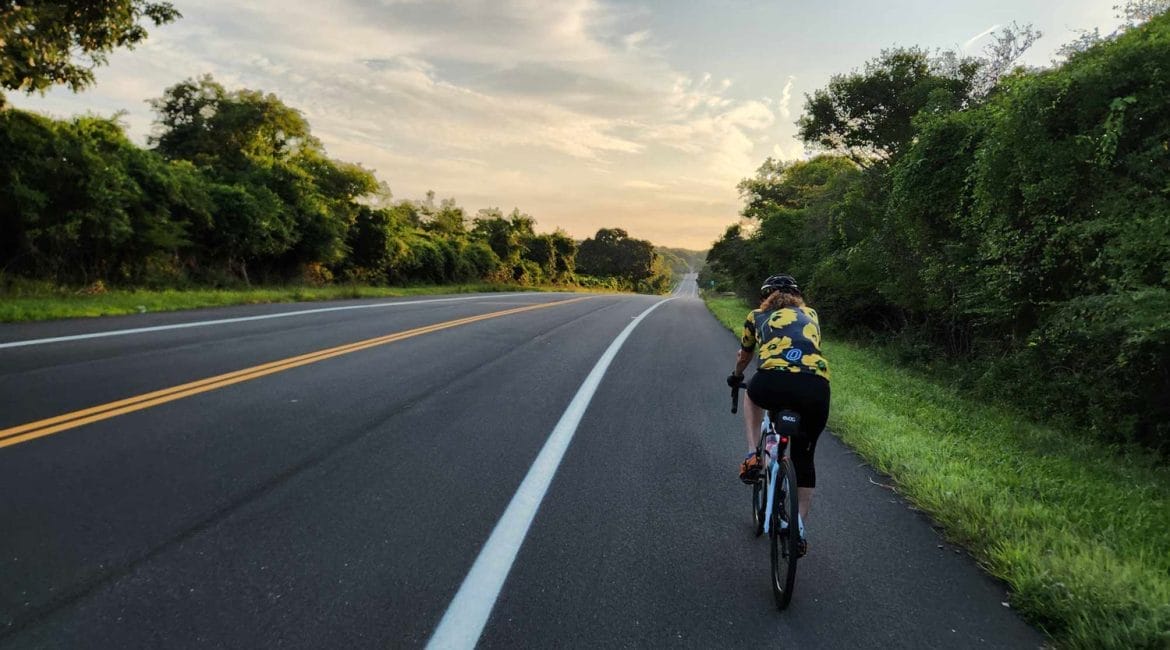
(753, 417)
(812, 395)
(804, 446)
(762, 393)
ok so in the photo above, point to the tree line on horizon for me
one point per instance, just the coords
(1008, 228)
(234, 188)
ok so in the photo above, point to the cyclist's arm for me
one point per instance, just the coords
(747, 341)
(742, 359)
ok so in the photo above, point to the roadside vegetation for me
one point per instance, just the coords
(1078, 532)
(237, 191)
(39, 301)
(234, 190)
(1008, 228)
(989, 249)
(681, 260)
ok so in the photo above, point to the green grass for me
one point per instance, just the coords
(1081, 533)
(39, 301)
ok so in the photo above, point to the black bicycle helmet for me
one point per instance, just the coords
(781, 282)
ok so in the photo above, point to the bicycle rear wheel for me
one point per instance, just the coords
(785, 534)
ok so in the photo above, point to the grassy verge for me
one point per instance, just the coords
(1080, 533)
(43, 302)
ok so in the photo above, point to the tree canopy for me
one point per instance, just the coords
(237, 189)
(612, 252)
(43, 44)
(868, 115)
(1022, 234)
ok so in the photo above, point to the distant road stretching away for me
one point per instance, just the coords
(688, 288)
(507, 470)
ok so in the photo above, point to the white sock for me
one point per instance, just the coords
(799, 525)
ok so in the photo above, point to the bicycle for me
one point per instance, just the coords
(775, 506)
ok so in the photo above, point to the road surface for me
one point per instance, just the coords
(330, 478)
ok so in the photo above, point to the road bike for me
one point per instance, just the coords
(775, 506)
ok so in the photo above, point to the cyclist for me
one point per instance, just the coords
(792, 374)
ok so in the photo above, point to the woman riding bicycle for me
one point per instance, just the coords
(792, 374)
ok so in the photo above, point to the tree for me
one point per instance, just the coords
(268, 167)
(1085, 39)
(868, 115)
(491, 227)
(726, 261)
(369, 243)
(200, 121)
(1137, 12)
(251, 224)
(47, 43)
(803, 212)
(509, 238)
(681, 260)
(1022, 240)
(596, 256)
(522, 223)
(566, 250)
(1000, 56)
(79, 202)
(1132, 14)
(779, 184)
(613, 253)
(448, 220)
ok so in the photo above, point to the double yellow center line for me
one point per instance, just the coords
(40, 428)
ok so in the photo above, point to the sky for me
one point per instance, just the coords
(584, 113)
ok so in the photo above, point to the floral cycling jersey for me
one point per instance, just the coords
(788, 339)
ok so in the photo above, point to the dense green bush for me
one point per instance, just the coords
(79, 201)
(613, 253)
(1023, 239)
(237, 189)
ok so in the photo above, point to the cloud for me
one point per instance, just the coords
(643, 185)
(549, 106)
(971, 41)
(786, 98)
(791, 150)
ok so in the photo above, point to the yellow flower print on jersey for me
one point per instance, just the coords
(775, 347)
(748, 337)
(786, 340)
(812, 333)
(817, 364)
(782, 317)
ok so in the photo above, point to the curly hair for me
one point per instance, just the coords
(780, 300)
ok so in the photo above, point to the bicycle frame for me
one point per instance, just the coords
(777, 429)
(772, 446)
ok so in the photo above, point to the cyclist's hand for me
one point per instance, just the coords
(734, 380)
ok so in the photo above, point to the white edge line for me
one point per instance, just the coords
(468, 612)
(241, 319)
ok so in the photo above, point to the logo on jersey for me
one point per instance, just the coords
(793, 355)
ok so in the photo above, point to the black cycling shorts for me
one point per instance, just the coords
(808, 395)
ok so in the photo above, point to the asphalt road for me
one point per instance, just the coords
(342, 502)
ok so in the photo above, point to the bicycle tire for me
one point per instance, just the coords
(759, 506)
(786, 541)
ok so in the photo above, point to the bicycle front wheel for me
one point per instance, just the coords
(785, 535)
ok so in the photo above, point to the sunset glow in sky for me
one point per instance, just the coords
(586, 114)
